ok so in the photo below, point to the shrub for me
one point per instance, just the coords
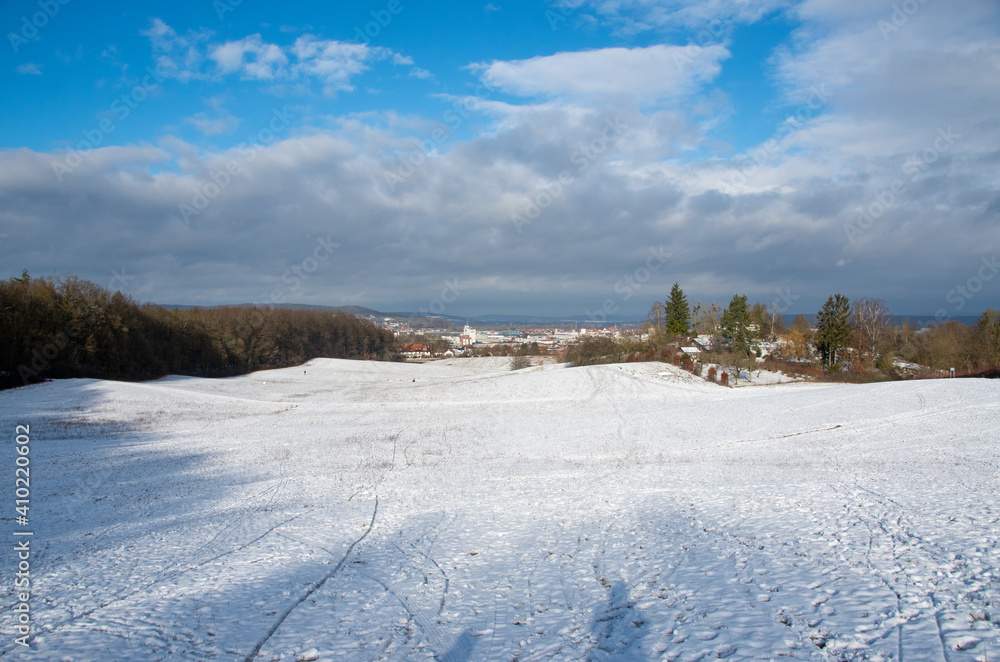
(697, 369)
(594, 351)
(712, 372)
(519, 362)
(724, 379)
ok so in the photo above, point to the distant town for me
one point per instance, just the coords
(420, 338)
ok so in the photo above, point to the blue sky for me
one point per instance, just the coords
(562, 158)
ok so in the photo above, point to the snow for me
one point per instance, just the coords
(757, 377)
(622, 512)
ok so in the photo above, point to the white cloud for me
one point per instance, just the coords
(334, 62)
(29, 68)
(252, 56)
(222, 122)
(331, 62)
(891, 90)
(712, 21)
(609, 74)
(177, 56)
(452, 215)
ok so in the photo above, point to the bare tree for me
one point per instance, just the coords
(705, 319)
(519, 362)
(871, 320)
(777, 322)
(656, 315)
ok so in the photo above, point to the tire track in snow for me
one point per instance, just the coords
(763, 439)
(418, 586)
(315, 587)
(928, 592)
(122, 596)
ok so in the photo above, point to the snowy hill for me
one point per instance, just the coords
(343, 511)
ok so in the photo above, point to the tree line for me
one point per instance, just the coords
(68, 327)
(860, 336)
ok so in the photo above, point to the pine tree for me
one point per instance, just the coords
(738, 335)
(678, 312)
(833, 328)
(735, 326)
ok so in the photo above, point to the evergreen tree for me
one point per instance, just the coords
(735, 326)
(738, 335)
(677, 312)
(760, 316)
(833, 328)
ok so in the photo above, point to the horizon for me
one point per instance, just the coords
(896, 317)
(507, 158)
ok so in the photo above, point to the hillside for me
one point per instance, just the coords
(341, 510)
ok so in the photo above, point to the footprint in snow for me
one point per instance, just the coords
(725, 651)
(966, 643)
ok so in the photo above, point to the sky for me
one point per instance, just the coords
(568, 157)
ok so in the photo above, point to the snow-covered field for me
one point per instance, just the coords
(599, 513)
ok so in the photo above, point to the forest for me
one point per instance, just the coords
(67, 327)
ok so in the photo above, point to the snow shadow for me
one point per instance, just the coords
(99, 481)
(617, 628)
(462, 650)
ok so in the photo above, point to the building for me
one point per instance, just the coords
(416, 351)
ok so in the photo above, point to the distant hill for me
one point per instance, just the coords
(522, 319)
(539, 320)
(353, 310)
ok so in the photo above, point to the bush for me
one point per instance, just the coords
(519, 362)
(594, 351)
(712, 372)
(697, 369)
(724, 380)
